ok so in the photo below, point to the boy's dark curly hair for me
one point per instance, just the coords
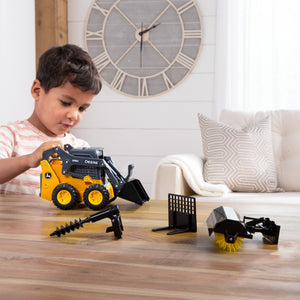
(68, 63)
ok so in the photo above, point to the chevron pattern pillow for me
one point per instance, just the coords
(240, 158)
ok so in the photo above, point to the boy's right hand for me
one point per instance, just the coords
(36, 156)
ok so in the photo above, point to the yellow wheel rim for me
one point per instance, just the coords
(64, 197)
(95, 197)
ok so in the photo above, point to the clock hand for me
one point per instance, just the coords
(141, 48)
(148, 29)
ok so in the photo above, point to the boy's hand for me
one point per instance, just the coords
(36, 156)
(14, 166)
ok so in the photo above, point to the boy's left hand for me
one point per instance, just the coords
(36, 156)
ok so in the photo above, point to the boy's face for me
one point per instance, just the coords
(59, 110)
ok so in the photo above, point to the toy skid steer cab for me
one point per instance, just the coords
(72, 175)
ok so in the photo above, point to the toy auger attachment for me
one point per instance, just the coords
(112, 212)
(230, 230)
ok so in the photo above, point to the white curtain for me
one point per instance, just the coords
(257, 64)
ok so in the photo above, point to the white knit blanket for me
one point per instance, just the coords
(192, 169)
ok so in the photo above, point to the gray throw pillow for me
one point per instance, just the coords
(242, 159)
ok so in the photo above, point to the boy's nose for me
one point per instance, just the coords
(73, 114)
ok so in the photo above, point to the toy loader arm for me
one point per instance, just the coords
(69, 160)
(112, 165)
(66, 158)
(48, 153)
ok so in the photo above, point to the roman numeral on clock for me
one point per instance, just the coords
(192, 34)
(142, 88)
(102, 10)
(91, 35)
(185, 7)
(101, 61)
(184, 60)
(118, 80)
(167, 81)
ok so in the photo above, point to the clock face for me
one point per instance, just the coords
(143, 48)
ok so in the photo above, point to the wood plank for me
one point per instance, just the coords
(89, 263)
(51, 25)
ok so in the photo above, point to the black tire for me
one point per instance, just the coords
(96, 197)
(65, 196)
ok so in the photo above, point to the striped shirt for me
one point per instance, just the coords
(21, 138)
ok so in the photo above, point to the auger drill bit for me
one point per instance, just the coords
(112, 212)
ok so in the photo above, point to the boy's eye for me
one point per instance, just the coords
(82, 109)
(64, 103)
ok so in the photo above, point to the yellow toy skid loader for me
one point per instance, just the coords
(72, 175)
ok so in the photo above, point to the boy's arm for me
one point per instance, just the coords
(14, 166)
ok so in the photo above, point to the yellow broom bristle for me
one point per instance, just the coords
(222, 244)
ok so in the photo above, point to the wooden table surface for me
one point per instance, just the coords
(91, 264)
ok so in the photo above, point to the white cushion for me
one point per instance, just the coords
(241, 158)
(285, 138)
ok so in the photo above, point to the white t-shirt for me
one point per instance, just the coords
(21, 138)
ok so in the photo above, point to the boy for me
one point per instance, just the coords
(65, 84)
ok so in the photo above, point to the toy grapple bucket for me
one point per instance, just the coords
(134, 191)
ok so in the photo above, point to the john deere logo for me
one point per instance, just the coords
(48, 175)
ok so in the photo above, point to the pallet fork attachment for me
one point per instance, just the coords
(182, 214)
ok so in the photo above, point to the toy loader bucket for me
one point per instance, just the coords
(134, 191)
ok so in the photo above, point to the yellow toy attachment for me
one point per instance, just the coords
(231, 247)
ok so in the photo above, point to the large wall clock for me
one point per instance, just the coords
(143, 48)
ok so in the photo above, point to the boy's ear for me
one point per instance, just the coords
(36, 89)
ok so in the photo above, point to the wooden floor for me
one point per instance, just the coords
(91, 264)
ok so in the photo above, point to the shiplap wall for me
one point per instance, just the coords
(17, 56)
(142, 131)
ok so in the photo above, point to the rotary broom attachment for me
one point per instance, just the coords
(112, 212)
(230, 230)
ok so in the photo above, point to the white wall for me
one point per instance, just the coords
(142, 131)
(17, 56)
